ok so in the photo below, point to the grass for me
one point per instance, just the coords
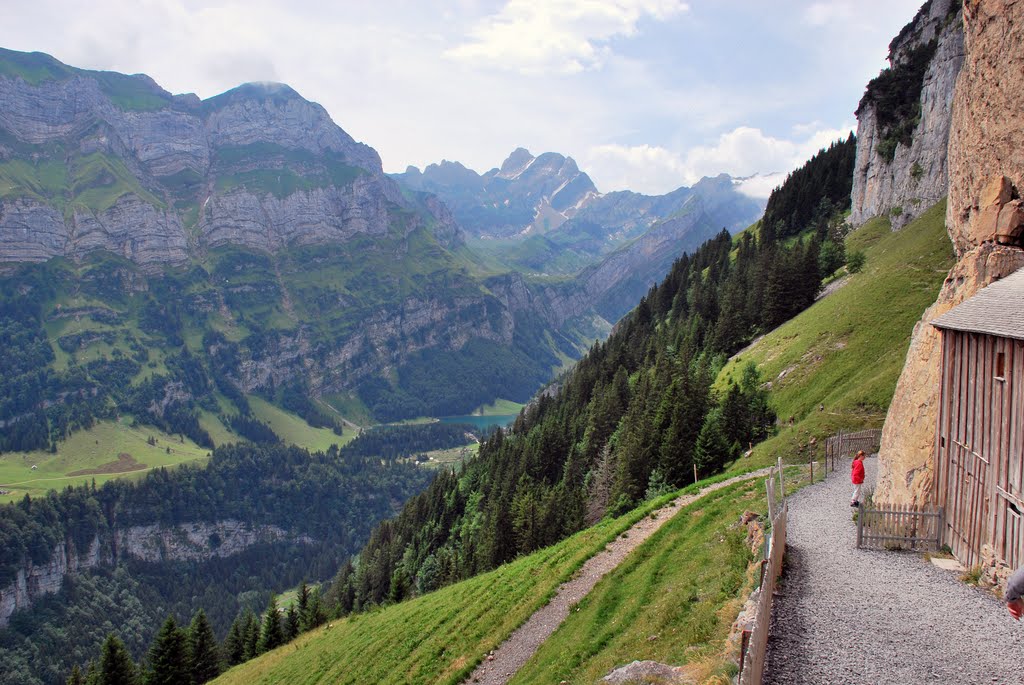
(673, 600)
(451, 457)
(294, 430)
(845, 353)
(499, 408)
(96, 449)
(439, 637)
(219, 433)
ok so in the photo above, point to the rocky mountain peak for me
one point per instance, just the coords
(516, 163)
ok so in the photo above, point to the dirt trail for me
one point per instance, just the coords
(514, 652)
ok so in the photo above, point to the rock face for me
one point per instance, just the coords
(121, 165)
(916, 177)
(526, 195)
(987, 126)
(186, 542)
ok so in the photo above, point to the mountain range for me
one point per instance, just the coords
(255, 217)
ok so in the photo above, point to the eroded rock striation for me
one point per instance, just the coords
(915, 176)
(119, 164)
(199, 541)
(986, 178)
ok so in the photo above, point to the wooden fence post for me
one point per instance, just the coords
(860, 525)
(782, 483)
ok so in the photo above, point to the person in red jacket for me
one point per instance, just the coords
(857, 477)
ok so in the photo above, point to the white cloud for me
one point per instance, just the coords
(822, 13)
(742, 152)
(761, 186)
(559, 36)
(643, 168)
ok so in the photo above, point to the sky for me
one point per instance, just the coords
(646, 95)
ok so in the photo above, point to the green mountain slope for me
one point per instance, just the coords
(440, 637)
(683, 585)
(845, 353)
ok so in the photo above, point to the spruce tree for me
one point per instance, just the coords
(272, 633)
(116, 666)
(168, 656)
(712, 449)
(251, 635)
(76, 677)
(204, 657)
(302, 602)
(233, 648)
(317, 612)
(291, 624)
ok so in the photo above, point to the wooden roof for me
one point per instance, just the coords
(995, 310)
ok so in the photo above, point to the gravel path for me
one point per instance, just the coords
(849, 616)
(499, 667)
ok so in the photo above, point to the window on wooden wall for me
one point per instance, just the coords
(1000, 366)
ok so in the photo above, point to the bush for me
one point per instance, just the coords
(855, 262)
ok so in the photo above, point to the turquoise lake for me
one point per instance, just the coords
(482, 422)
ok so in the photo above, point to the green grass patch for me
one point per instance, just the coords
(499, 407)
(672, 600)
(451, 457)
(97, 449)
(436, 638)
(219, 433)
(98, 181)
(846, 352)
(294, 430)
(349, 407)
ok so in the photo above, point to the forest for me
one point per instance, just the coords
(635, 418)
(325, 502)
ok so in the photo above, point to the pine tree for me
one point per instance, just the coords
(116, 666)
(272, 633)
(204, 658)
(712, 450)
(302, 602)
(76, 677)
(291, 623)
(234, 643)
(251, 635)
(168, 656)
(317, 611)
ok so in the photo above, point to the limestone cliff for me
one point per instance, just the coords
(153, 543)
(901, 159)
(95, 160)
(984, 219)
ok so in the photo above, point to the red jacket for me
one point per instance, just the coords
(857, 471)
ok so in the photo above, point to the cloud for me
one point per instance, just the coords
(823, 13)
(742, 152)
(557, 36)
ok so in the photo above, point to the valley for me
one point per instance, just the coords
(269, 414)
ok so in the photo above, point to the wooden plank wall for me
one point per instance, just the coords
(980, 438)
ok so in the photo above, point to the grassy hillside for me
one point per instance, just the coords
(436, 638)
(673, 600)
(293, 430)
(845, 353)
(108, 450)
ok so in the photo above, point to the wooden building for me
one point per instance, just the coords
(979, 445)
